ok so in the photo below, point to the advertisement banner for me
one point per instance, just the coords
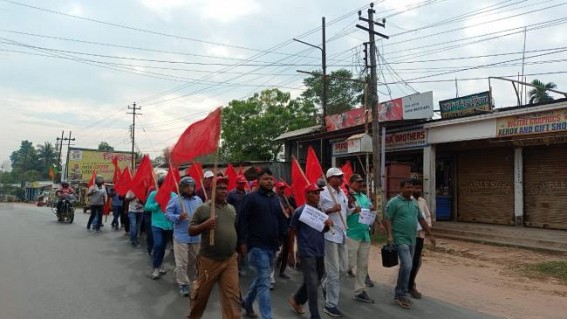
(466, 105)
(82, 162)
(535, 123)
(411, 107)
(406, 140)
(347, 119)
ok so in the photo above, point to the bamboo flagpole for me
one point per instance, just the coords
(214, 190)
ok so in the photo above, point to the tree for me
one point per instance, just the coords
(47, 157)
(539, 93)
(25, 158)
(342, 95)
(250, 126)
(104, 146)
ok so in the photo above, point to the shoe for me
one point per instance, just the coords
(155, 273)
(369, 282)
(248, 312)
(162, 271)
(363, 296)
(184, 291)
(415, 294)
(294, 305)
(333, 311)
(402, 303)
(407, 300)
(272, 285)
(351, 274)
(284, 275)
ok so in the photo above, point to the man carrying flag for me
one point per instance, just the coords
(180, 210)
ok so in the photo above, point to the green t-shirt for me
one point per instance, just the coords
(403, 214)
(225, 232)
(357, 231)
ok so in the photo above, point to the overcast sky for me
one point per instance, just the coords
(77, 65)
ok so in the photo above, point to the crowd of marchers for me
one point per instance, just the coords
(217, 235)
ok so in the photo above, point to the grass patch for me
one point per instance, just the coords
(555, 269)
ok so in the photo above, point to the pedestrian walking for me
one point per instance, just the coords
(180, 210)
(402, 216)
(161, 231)
(218, 263)
(235, 197)
(419, 240)
(98, 198)
(358, 239)
(117, 208)
(281, 260)
(261, 228)
(334, 202)
(204, 192)
(135, 211)
(311, 252)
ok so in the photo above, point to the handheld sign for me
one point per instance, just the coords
(313, 218)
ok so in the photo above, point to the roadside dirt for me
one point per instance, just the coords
(485, 278)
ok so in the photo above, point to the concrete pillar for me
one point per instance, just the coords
(429, 187)
(518, 187)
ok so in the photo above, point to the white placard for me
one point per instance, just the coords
(313, 217)
(366, 217)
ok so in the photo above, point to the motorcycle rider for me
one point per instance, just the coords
(62, 194)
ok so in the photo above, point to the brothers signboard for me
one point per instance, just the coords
(466, 105)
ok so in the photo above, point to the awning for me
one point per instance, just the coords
(300, 132)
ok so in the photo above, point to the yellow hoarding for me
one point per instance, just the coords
(82, 162)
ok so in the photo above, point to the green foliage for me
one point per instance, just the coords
(555, 268)
(32, 164)
(104, 146)
(250, 126)
(342, 95)
(539, 93)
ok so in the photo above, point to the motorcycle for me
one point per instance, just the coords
(67, 212)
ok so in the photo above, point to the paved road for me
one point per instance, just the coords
(51, 270)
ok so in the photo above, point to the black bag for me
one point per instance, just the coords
(389, 256)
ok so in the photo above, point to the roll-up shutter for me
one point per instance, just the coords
(486, 186)
(545, 186)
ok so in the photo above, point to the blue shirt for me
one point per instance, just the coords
(310, 242)
(116, 200)
(181, 227)
(261, 222)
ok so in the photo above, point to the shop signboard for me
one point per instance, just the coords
(340, 148)
(411, 107)
(534, 123)
(466, 105)
(406, 140)
(82, 162)
(347, 119)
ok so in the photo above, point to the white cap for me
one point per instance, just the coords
(208, 174)
(333, 171)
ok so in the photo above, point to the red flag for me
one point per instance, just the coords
(196, 171)
(92, 180)
(117, 172)
(200, 138)
(298, 182)
(143, 179)
(169, 185)
(313, 169)
(347, 171)
(230, 173)
(240, 170)
(122, 186)
(107, 207)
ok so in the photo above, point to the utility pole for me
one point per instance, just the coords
(376, 139)
(323, 49)
(134, 108)
(60, 144)
(69, 139)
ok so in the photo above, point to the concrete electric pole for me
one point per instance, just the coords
(134, 108)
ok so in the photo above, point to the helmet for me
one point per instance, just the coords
(160, 180)
(187, 181)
